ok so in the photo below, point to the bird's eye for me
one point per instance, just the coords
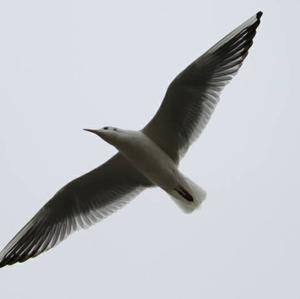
(114, 129)
(105, 128)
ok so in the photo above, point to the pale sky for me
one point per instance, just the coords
(67, 65)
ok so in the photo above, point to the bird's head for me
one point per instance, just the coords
(110, 134)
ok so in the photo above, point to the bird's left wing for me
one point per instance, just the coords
(79, 204)
(193, 95)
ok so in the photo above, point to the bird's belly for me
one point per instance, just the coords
(152, 162)
(157, 172)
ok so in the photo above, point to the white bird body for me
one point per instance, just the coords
(146, 158)
(145, 155)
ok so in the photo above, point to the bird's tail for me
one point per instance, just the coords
(188, 196)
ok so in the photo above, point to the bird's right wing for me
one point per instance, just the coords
(79, 204)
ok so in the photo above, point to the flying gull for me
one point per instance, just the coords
(145, 158)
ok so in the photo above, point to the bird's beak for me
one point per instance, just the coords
(92, 131)
(100, 133)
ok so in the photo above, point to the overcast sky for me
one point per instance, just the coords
(67, 65)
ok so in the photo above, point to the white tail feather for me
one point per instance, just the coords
(193, 190)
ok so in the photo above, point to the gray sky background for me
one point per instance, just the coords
(67, 65)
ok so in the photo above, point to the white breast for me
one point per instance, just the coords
(149, 159)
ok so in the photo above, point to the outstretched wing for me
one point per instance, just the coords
(192, 96)
(79, 204)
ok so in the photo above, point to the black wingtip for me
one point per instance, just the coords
(259, 14)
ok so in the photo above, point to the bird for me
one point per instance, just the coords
(146, 158)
